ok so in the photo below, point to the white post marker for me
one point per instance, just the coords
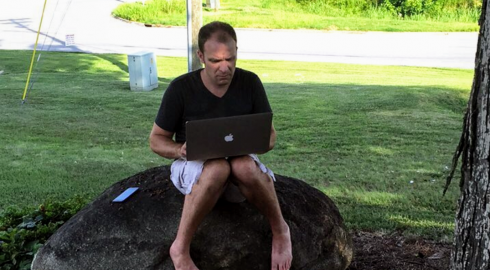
(213, 4)
(1, 72)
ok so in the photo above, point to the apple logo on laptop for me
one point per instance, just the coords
(229, 138)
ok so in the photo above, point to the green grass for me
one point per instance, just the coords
(290, 14)
(358, 133)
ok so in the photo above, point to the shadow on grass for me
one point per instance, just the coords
(413, 220)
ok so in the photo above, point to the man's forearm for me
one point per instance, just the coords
(165, 147)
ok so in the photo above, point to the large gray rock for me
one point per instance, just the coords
(137, 234)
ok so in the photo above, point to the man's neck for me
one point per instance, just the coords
(217, 90)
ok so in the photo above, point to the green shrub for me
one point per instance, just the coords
(23, 232)
(406, 7)
(430, 8)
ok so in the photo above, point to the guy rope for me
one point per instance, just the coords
(33, 54)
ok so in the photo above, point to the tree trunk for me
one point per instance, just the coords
(472, 233)
(196, 25)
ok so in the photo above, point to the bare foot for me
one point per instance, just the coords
(282, 254)
(181, 258)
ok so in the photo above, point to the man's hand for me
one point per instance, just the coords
(272, 141)
(183, 150)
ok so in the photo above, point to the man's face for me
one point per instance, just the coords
(219, 61)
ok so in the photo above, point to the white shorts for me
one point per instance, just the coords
(184, 174)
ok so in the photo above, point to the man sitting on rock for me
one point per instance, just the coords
(218, 90)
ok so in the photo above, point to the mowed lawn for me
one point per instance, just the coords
(377, 139)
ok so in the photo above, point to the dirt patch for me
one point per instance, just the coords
(381, 252)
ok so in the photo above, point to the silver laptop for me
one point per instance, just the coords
(228, 136)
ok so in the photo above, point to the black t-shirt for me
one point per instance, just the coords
(186, 98)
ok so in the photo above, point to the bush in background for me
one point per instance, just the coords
(430, 8)
(23, 232)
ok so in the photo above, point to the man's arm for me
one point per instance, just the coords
(162, 143)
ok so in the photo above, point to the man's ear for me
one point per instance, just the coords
(201, 56)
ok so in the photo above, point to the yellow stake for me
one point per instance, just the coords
(34, 52)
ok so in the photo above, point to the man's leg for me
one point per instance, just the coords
(258, 188)
(205, 193)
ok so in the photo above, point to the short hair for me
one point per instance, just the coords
(224, 30)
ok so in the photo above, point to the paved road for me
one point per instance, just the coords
(95, 31)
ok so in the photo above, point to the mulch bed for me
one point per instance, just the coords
(374, 251)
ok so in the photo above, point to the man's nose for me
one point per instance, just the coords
(223, 66)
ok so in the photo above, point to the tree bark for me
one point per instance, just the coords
(196, 25)
(472, 231)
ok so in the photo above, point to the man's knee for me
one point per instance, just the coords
(244, 169)
(217, 170)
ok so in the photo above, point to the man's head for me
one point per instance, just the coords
(224, 31)
(218, 52)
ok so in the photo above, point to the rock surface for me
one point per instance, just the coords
(137, 233)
